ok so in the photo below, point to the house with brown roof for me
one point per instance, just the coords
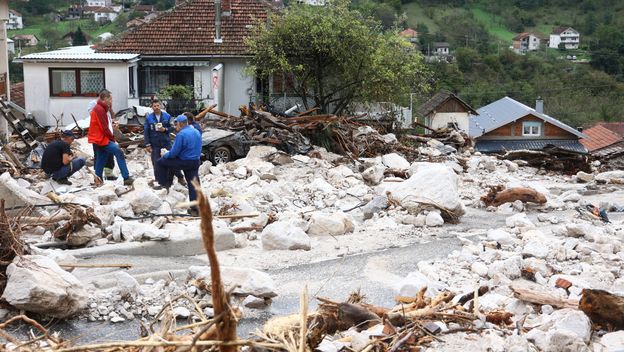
(525, 42)
(22, 40)
(199, 44)
(606, 142)
(446, 110)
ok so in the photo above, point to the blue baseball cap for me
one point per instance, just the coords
(180, 118)
(68, 133)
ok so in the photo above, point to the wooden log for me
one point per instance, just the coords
(603, 308)
(30, 220)
(497, 196)
(18, 164)
(237, 216)
(86, 265)
(529, 292)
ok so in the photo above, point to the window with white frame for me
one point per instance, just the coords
(531, 128)
(69, 82)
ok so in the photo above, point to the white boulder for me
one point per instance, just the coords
(613, 341)
(325, 224)
(143, 200)
(519, 220)
(434, 219)
(284, 235)
(249, 281)
(395, 161)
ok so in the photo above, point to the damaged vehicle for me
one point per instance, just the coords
(222, 146)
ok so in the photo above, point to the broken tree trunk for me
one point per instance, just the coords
(529, 292)
(603, 308)
(499, 195)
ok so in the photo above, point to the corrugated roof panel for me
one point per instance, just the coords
(77, 53)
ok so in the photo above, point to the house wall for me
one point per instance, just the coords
(4, 61)
(554, 41)
(236, 85)
(513, 130)
(442, 119)
(43, 106)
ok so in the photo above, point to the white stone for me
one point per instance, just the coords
(325, 224)
(374, 174)
(613, 341)
(536, 248)
(37, 284)
(135, 231)
(430, 182)
(249, 281)
(153, 310)
(254, 302)
(570, 196)
(579, 230)
(126, 284)
(260, 151)
(240, 172)
(284, 235)
(584, 177)
(609, 175)
(434, 219)
(500, 236)
(411, 285)
(519, 220)
(479, 269)
(511, 166)
(510, 267)
(83, 236)
(395, 161)
(181, 312)
(319, 184)
(122, 208)
(572, 320)
(143, 200)
(15, 195)
(224, 239)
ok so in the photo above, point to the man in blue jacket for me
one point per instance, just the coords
(156, 136)
(183, 156)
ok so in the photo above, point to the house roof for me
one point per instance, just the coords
(15, 13)
(521, 35)
(496, 146)
(507, 110)
(440, 44)
(559, 30)
(409, 33)
(430, 105)
(104, 10)
(17, 94)
(600, 137)
(189, 29)
(83, 53)
(25, 37)
(617, 127)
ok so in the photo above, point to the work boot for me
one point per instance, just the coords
(128, 181)
(181, 181)
(109, 175)
(64, 181)
(155, 185)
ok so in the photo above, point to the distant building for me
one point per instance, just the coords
(144, 8)
(446, 110)
(15, 20)
(25, 40)
(312, 2)
(606, 142)
(10, 46)
(441, 49)
(409, 34)
(525, 42)
(507, 124)
(98, 3)
(75, 12)
(104, 14)
(568, 36)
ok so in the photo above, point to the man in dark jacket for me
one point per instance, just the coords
(156, 136)
(184, 155)
(58, 161)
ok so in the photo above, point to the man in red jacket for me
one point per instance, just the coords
(101, 134)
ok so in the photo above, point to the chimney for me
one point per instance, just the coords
(539, 105)
(580, 129)
(218, 38)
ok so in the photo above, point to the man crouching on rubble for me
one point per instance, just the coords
(101, 133)
(184, 155)
(58, 161)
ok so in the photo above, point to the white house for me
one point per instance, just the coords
(568, 36)
(208, 55)
(104, 14)
(15, 20)
(98, 3)
(525, 42)
(441, 49)
(61, 83)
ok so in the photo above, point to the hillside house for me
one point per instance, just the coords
(446, 109)
(23, 40)
(104, 14)
(441, 49)
(564, 38)
(606, 142)
(207, 54)
(98, 3)
(410, 35)
(507, 124)
(15, 20)
(525, 42)
(75, 12)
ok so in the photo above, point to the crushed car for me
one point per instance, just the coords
(222, 146)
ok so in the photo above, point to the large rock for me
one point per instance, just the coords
(284, 235)
(500, 236)
(37, 284)
(375, 206)
(510, 267)
(416, 280)
(136, 231)
(434, 219)
(374, 174)
(16, 195)
(610, 176)
(519, 220)
(395, 161)
(429, 183)
(325, 224)
(564, 330)
(84, 236)
(143, 200)
(249, 281)
(613, 341)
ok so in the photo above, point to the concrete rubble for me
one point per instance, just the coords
(312, 207)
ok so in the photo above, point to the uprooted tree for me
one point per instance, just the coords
(334, 57)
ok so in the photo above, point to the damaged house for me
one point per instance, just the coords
(446, 110)
(606, 143)
(198, 44)
(507, 125)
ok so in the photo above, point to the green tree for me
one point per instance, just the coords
(79, 38)
(336, 57)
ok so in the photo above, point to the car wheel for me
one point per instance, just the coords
(221, 155)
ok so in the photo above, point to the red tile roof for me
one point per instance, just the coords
(617, 127)
(17, 94)
(560, 30)
(189, 29)
(409, 33)
(599, 137)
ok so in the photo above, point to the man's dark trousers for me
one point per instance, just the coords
(110, 162)
(166, 168)
(155, 155)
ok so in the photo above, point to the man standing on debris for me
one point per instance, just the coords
(110, 160)
(156, 136)
(184, 155)
(101, 134)
(58, 161)
(192, 122)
